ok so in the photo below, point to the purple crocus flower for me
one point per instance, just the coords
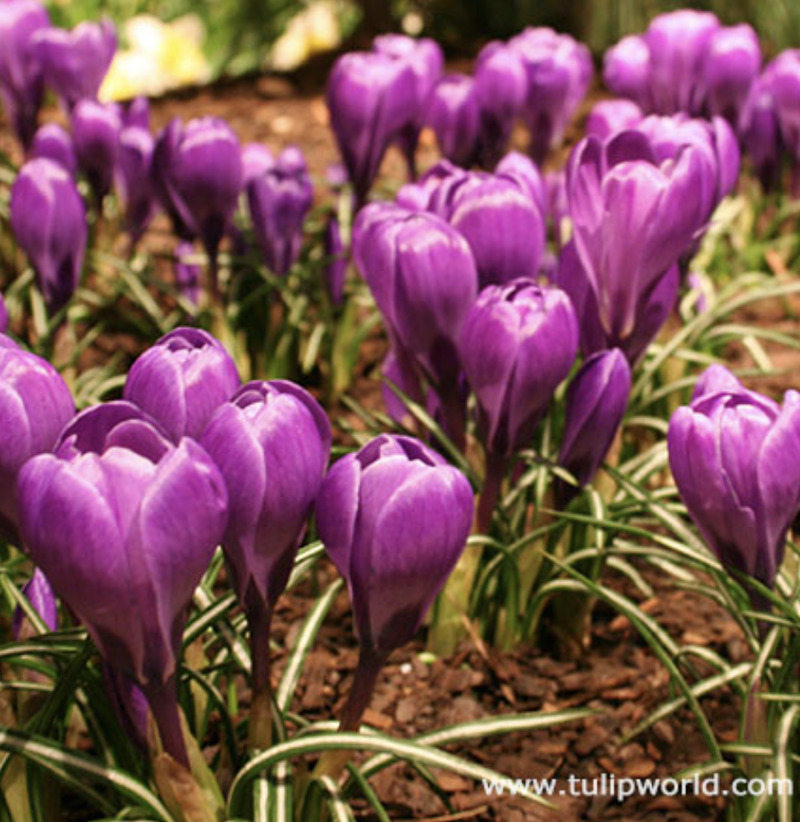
(626, 70)
(48, 219)
(96, 132)
(559, 71)
(271, 443)
(500, 87)
(596, 401)
(714, 138)
(134, 167)
(35, 404)
(454, 115)
(730, 67)
(782, 78)
(518, 343)
(124, 530)
(426, 60)
(181, 380)
(369, 98)
(499, 218)
(678, 43)
(394, 518)
(760, 131)
(423, 278)
(198, 175)
(256, 159)
(610, 116)
(38, 591)
(279, 200)
(633, 218)
(735, 456)
(21, 81)
(54, 142)
(75, 62)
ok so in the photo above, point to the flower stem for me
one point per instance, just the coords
(163, 701)
(370, 662)
(259, 618)
(496, 465)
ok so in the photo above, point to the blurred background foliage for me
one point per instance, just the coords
(241, 33)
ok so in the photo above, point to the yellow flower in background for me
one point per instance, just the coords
(159, 56)
(315, 29)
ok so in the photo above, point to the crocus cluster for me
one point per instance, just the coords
(34, 54)
(686, 61)
(735, 456)
(512, 343)
(538, 75)
(122, 507)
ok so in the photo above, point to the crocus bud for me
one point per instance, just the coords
(518, 343)
(48, 219)
(181, 380)
(198, 173)
(633, 219)
(336, 261)
(38, 591)
(729, 69)
(369, 98)
(425, 59)
(454, 115)
(271, 442)
(134, 165)
(500, 87)
(610, 116)
(679, 43)
(504, 226)
(626, 70)
(559, 72)
(423, 278)
(279, 200)
(75, 62)
(735, 456)
(21, 82)
(596, 401)
(124, 534)
(394, 518)
(761, 134)
(53, 142)
(256, 159)
(35, 405)
(95, 130)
